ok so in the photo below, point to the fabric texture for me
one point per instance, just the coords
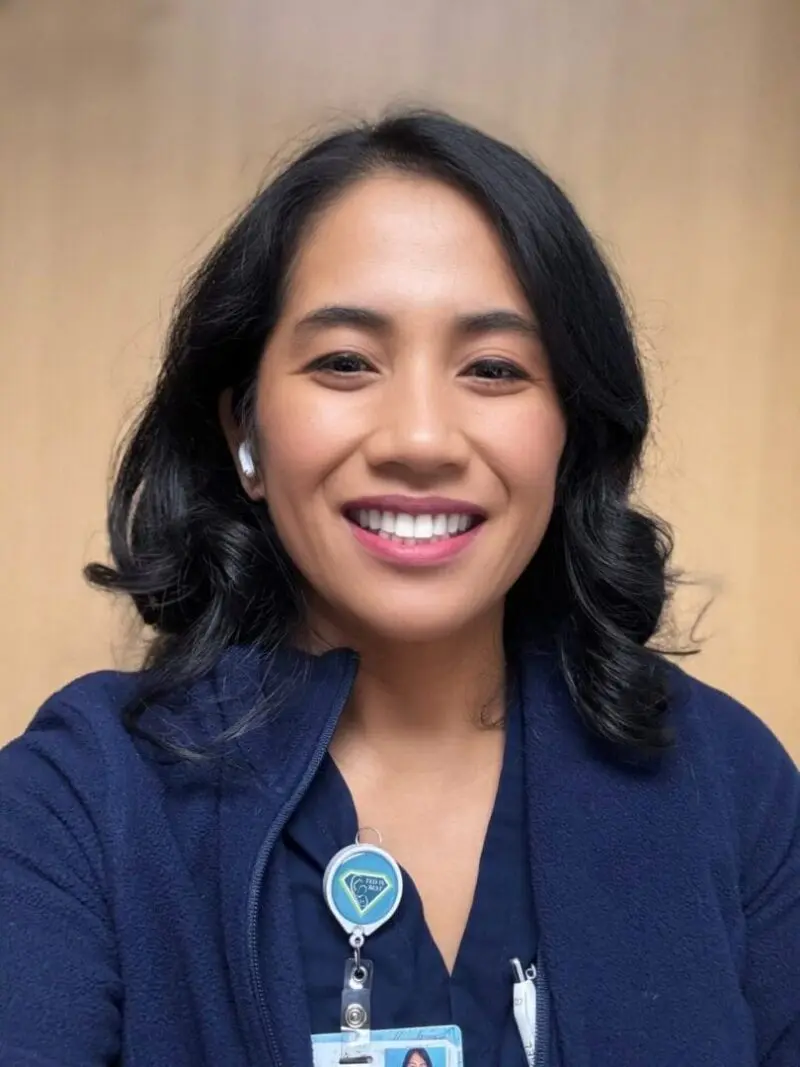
(146, 914)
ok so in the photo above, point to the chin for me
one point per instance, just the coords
(409, 624)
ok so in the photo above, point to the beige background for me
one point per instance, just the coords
(129, 132)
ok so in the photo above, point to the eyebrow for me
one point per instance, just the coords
(471, 325)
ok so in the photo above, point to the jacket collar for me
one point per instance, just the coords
(303, 696)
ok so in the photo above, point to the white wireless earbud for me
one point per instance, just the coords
(246, 460)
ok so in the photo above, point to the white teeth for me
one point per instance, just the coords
(387, 522)
(423, 526)
(404, 526)
(411, 528)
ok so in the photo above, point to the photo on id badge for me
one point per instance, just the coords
(424, 1047)
(415, 1057)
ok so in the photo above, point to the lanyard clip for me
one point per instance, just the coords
(356, 1020)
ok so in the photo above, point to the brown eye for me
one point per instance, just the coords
(497, 370)
(344, 363)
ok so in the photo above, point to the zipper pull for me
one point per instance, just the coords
(525, 1008)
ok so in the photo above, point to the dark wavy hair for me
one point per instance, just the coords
(421, 1052)
(203, 564)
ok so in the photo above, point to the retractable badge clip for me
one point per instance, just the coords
(363, 888)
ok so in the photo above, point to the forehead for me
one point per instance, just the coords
(403, 239)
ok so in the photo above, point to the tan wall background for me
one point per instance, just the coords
(129, 132)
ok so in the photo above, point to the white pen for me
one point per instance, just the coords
(525, 1008)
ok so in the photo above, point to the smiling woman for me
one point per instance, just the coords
(406, 345)
(385, 264)
(377, 514)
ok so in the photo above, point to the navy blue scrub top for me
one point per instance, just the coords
(411, 984)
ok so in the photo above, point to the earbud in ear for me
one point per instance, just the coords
(246, 460)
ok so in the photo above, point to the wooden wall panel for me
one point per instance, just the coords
(129, 132)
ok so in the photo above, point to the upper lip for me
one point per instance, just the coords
(415, 505)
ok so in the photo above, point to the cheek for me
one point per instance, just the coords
(528, 447)
(291, 457)
(300, 442)
(291, 454)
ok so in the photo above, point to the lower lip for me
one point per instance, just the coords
(422, 554)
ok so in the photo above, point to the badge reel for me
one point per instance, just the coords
(363, 888)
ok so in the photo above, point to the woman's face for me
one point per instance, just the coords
(403, 395)
(415, 1060)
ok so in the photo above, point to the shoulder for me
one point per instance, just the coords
(56, 782)
(96, 701)
(80, 731)
(80, 767)
(94, 706)
(709, 720)
(73, 739)
(733, 756)
(91, 704)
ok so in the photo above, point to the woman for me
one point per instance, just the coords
(417, 1057)
(377, 513)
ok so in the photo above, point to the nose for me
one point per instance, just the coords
(418, 426)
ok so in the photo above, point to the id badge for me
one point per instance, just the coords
(420, 1046)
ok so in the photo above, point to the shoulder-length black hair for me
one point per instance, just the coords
(422, 1053)
(203, 564)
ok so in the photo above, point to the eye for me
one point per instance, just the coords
(340, 364)
(497, 371)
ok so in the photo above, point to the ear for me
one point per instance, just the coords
(241, 449)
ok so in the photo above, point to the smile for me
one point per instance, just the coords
(399, 526)
(426, 534)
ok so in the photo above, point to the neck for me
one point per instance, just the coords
(441, 688)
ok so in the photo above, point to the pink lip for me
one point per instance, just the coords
(422, 554)
(414, 505)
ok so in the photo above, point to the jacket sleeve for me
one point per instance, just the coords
(60, 991)
(768, 801)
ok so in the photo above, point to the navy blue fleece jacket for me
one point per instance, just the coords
(132, 885)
